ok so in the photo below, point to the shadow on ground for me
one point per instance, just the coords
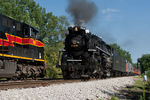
(132, 93)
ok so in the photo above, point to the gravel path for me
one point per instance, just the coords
(91, 90)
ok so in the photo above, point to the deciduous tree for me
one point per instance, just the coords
(144, 62)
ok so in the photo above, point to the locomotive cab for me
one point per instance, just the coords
(30, 32)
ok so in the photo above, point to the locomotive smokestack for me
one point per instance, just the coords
(82, 11)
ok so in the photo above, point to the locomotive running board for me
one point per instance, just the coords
(91, 50)
(73, 60)
(103, 51)
(85, 76)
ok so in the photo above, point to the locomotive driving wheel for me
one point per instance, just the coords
(66, 74)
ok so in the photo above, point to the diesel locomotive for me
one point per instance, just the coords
(87, 55)
(21, 50)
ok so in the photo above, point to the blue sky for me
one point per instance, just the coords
(125, 22)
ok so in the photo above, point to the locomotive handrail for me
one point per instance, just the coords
(91, 50)
(73, 60)
(103, 51)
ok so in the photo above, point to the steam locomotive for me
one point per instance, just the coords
(21, 51)
(87, 55)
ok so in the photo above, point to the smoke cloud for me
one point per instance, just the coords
(82, 11)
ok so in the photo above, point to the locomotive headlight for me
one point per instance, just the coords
(75, 29)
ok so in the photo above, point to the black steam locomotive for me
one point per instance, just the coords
(21, 52)
(87, 55)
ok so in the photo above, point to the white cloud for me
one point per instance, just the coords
(108, 17)
(104, 11)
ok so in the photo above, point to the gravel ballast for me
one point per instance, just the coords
(91, 90)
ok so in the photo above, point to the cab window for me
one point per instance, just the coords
(32, 33)
(26, 32)
(4, 22)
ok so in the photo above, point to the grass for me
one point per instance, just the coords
(140, 90)
(114, 98)
(2, 79)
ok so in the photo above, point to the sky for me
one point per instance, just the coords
(125, 22)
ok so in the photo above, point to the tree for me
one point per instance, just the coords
(144, 62)
(52, 28)
(54, 42)
(122, 52)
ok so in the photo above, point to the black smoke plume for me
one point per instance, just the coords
(82, 11)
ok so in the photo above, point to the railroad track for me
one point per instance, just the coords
(32, 83)
(4, 85)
